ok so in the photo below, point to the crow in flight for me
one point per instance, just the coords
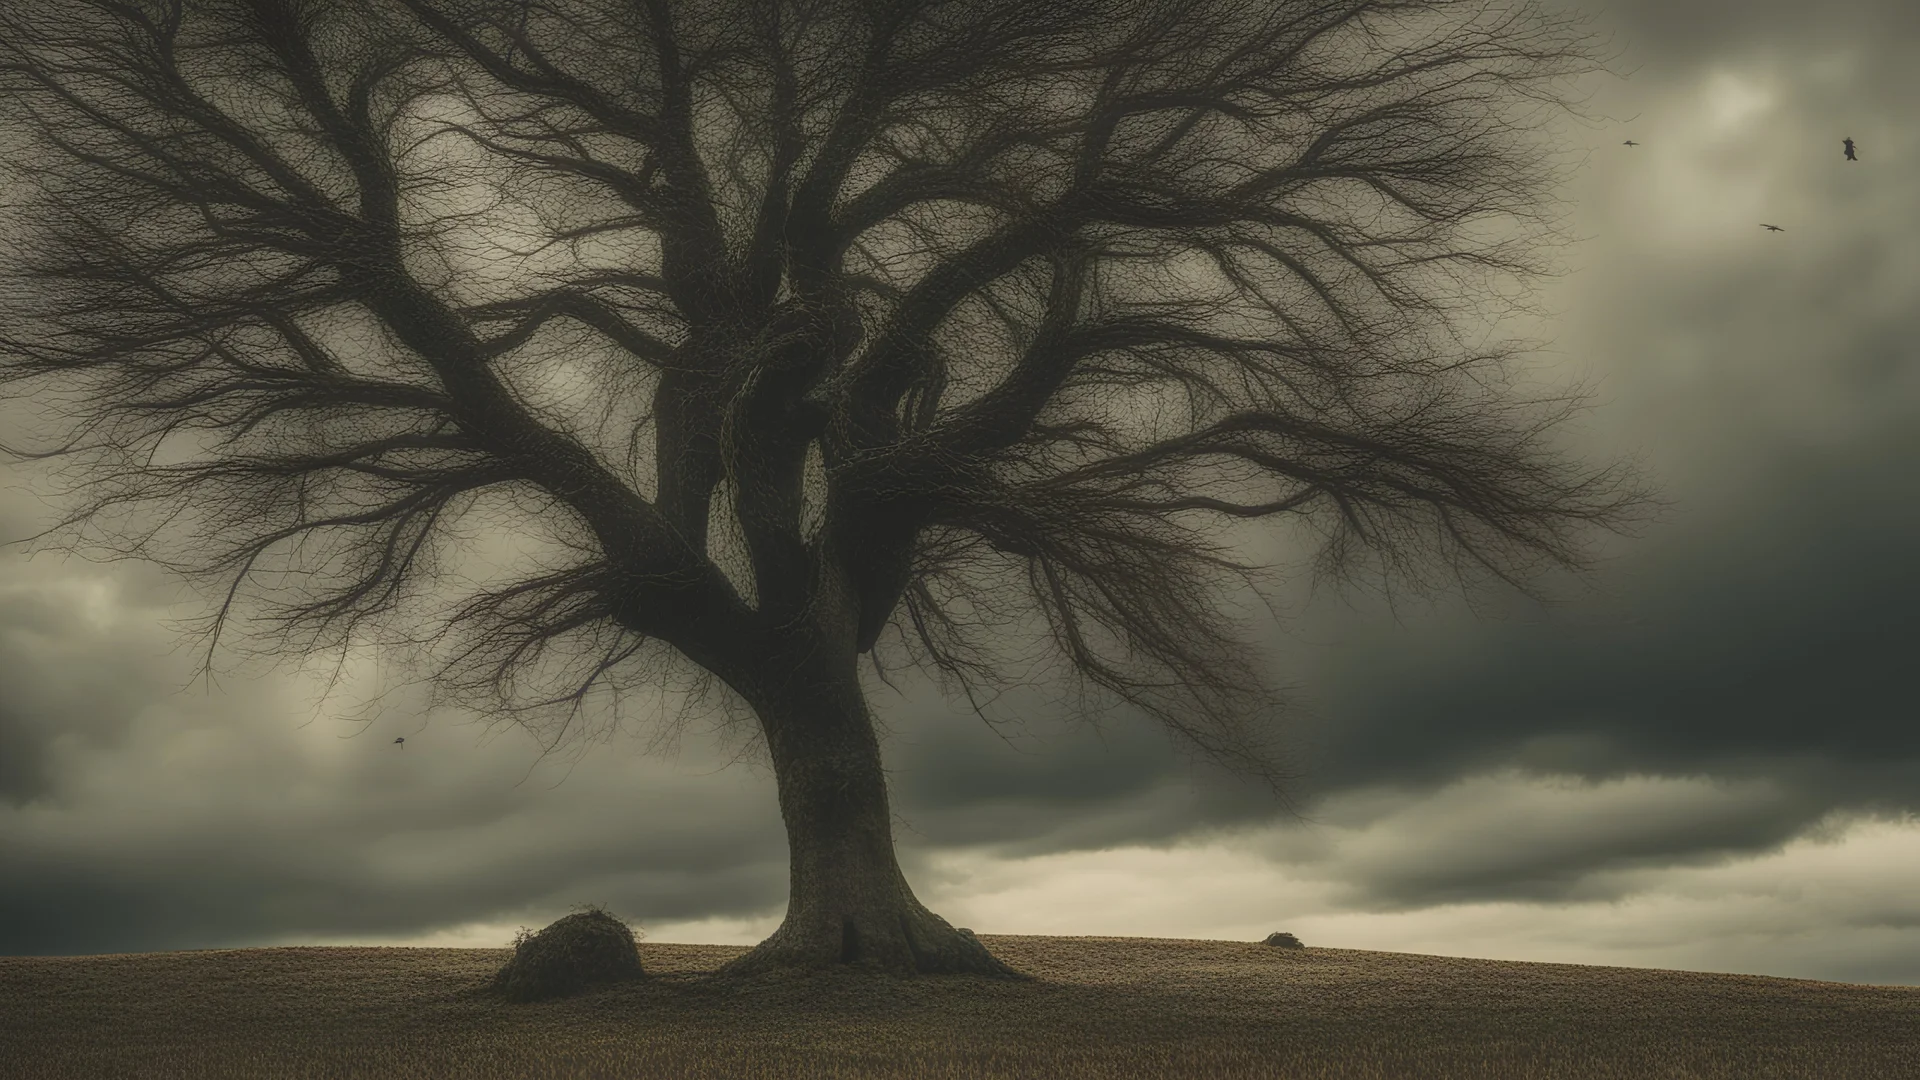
(401, 741)
(1848, 143)
(1774, 228)
(1629, 142)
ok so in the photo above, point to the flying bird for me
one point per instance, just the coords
(401, 741)
(1629, 142)
(1848, 143)
(1774, 228)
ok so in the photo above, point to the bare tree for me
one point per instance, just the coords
(927, 306)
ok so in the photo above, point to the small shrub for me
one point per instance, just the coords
(581, 950)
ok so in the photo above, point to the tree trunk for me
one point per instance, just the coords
(849, 906)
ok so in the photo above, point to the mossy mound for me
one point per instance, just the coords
(584, 949)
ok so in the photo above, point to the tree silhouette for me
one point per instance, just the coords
(925, 307)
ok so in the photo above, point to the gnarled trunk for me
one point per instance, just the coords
(849, 903)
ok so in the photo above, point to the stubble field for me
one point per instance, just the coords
(1106, 1008)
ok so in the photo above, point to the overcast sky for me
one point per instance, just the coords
(1708, 760)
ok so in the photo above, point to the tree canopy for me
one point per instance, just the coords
(932, 312)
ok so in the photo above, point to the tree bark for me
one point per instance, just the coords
(849, 905)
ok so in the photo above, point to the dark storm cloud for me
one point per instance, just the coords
(142, 809)
(1060, 779)
(1768, 649)
(380, 872)
(215, 831)
(1725, 658)
(1773, 647)
(71, 670)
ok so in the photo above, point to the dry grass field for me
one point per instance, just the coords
(1102, 1009)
